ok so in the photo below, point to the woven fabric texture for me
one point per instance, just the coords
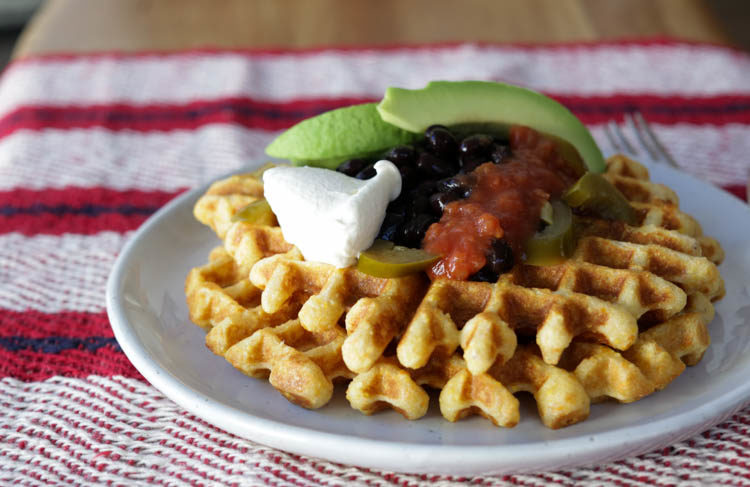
(91, 145)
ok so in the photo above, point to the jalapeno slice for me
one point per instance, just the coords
(384, 259)
(548, 213)
(258, 213)
(592, 193)
(556, 242)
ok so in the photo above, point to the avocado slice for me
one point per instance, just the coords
(462, 103)
(332, 137)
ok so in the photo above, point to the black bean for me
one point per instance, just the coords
(500, 153)
(484, 275)
(432, 166)
(499, 260)
(421, 146)
(400, 205)
(402, 155)
(474, 151)
(366, 173)
(391, 226)
(414, 229)
(433, 127)
(420, 204)
(441, 142)
(477, 144)
(352, 166)
(454, 185)
(499, 257)
(439, 200)
(409, 176)
(471, 162)
(425, 187)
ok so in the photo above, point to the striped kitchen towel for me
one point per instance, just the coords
(91, 145)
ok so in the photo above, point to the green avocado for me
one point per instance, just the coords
(498, 105)
(332, 137)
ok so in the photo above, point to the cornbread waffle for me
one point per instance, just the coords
(620, 319)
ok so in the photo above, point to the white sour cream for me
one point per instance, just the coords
(330, 216)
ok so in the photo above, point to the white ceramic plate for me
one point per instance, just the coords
(146, 306)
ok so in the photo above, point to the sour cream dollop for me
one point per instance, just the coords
(330, 216)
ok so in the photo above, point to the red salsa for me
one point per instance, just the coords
(505, 203)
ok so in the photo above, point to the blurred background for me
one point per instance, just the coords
(36, 26)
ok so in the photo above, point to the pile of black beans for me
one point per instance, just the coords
(432, 176)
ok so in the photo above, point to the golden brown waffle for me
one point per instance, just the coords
(299, 364)
(561, 399)
(223, 198)
(653, 211)
(620, 319)
(659, 355)
(226, 304)
(387, 385)
(376, 309)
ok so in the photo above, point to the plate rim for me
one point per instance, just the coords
(608, 445)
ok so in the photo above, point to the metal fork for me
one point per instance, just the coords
(647, 140)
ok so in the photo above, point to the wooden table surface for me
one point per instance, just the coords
(129, 25)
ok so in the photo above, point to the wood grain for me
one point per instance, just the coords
(130, 25)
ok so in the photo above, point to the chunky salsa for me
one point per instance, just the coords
(505, 203)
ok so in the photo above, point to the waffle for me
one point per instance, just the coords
(223, 198)
(659, 355)
(299, 364)
(376, 309)
(618, 320)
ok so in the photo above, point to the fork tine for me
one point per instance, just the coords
(609, 132)
(636, 128)
(624, 143)
(643, 130)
